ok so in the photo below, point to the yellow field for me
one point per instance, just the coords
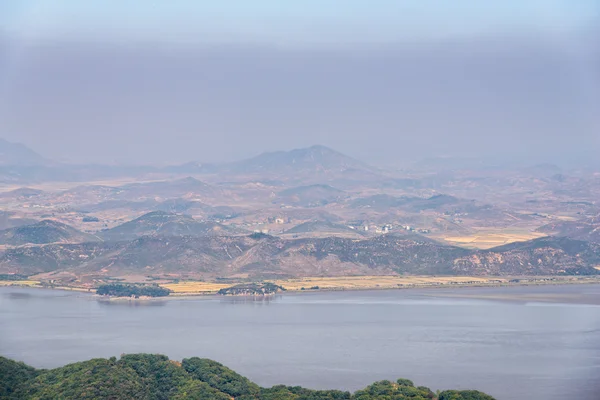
(486, 240)
(195, 287)
(19, 283)
(343, 282)
(366, 282)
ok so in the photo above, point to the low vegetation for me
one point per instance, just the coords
(119, 290)
(13, 277)
(153, 376)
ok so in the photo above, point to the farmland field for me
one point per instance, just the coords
(489, 239)
(367, 282)
(194, 287)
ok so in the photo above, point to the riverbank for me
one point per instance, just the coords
(189, 289)
(314, 284)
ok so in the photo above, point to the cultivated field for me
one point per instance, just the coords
(373, 282)
(195, 287)
(341, 283)
(489, 239)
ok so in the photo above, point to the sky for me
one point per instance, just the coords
(385, 81)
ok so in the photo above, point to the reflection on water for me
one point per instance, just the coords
(253, 300)
(131, 303)
(17, 295)
(514, 343)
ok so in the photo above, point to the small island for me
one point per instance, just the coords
(135, 291)
(252, 289)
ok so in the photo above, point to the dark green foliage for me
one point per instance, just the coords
(93, 379)
(219, 377)
(155, 377)
(12, 277)
(13, 374)
(197, 390)
(400, 390)
(464, 395)
(160, 376)
(252, 289)
(132, 290)
(296, 392)
(259, 236)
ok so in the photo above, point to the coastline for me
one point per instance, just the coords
(492, 283)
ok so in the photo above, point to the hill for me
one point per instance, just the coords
(323, 228)
(154, 376)
(21, 193)
(44, 232)
(310, 196)
(166, 224)
(543, 256)
(588, 229)
(263, 256)
(313, 159)
(17, 154)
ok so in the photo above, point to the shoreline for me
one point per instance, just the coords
(526, 281)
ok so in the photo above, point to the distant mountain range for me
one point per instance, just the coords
(310, 159)
(18, 154)
(18, 163)
(263, 256)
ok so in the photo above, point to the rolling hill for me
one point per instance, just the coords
(588, 229)
(154, 376)
(21, 193)
(44, 232)
(263, 256)
(323, 228)
(166, 224)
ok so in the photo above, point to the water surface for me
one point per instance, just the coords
(514, 343)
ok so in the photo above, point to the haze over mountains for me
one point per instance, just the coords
(299, 213)
(19, 154)
(283, 164)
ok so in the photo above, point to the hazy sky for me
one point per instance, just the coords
(173, 81)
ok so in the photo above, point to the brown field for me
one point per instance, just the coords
(487, 240)
(372, 282)
(195, 287)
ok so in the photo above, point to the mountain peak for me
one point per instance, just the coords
(316, 158)
(18, 154)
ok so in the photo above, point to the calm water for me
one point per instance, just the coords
(512, 347)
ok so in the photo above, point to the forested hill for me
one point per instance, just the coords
(155, 377)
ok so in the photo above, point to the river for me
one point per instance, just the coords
(514, 343)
